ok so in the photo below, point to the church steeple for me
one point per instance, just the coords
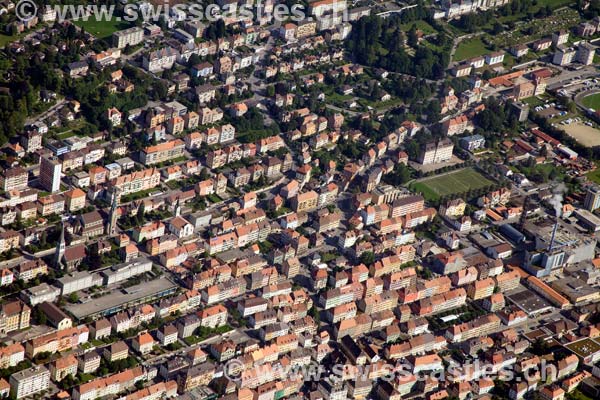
(112, 225)
(60, 248)
(177, 208)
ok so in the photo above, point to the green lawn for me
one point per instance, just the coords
(455, 182)
(470, 48)
(594, 175)
(101, 29)
(554, 4)
(592, 101)
(577, 395)
(6, 39)
(423, 26)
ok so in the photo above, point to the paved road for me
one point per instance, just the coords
(49, 112)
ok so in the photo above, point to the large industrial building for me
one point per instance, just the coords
(554, 246)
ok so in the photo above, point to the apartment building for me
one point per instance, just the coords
(434, 153)
(406, 205)
(478, 327)
(213, 317)
(116, 351)
(218, 293)
(9, 240)
(143, 343)
(14, 315)
(252, 306)
(110, 385)
(149, 231)
(441, 302)
(11, 355)
(585, 53)
(57, 341)
(29, 381)
(559, 38)
(159, 60)
(14, 179)
(136, 181)
(162, 152)
(75, 199)
(63, 367)
(378, 302)
(481, 289)
(564, 55)
(507, 281)
(494, 58)
(50, 173)
(131, 36)
(89, 362)
(167, 335)
(210, 116)
(305, 201)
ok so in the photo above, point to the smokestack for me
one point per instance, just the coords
(556, 202)
(553, 235)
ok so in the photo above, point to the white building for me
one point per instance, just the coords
(585, 53)
(435, 153)
(494, 58)
(563, 55)
(50, 171)
(132, 37)
(160, 59)
(39, 294)
(29, 381)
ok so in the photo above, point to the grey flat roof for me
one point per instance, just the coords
(113, 302)
(529, 301)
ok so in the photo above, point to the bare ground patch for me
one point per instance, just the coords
(586, 135)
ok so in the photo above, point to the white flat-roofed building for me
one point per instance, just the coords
(121, 272)
(587, 220)
(78, 280)
(585, 53)
(39, 294)
(131, 36)
(50, 173)
(29, 381)
(564, 55)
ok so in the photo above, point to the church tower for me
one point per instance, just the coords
(60, 248)
(177, 209)
(112, 224)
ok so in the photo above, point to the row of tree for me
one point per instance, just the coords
(380, 43)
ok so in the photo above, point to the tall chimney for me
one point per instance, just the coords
(553, 235)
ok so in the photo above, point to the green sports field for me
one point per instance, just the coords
(470, 48)
(101, 29)
(455, 182)
(592, 101)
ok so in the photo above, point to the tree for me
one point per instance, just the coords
(412, 149)
(498, 28)
(204, 175)
(314, 313)
(367, 258)
(160, 89)
(40, 317)
(194, 60)
(220, 28)
(412, 37)
(139, 216)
